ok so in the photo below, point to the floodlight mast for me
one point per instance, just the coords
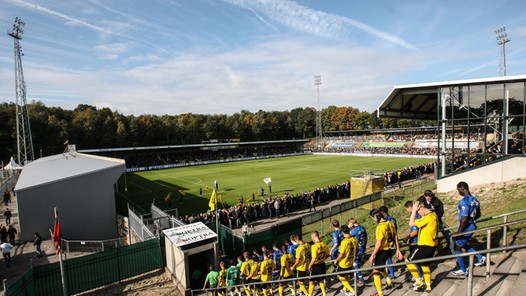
(319, 133)
(502, 39)
(24, 140)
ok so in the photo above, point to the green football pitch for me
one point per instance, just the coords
(289, 174)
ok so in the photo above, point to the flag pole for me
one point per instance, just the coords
(218, 235)
(62, 276)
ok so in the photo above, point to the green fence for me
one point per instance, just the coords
(91, 271)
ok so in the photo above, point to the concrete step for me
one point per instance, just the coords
(509, 284)
(499, 272)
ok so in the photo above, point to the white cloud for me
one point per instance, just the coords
(275, 75)
(110, 51)
(69, 19)
(319, 23)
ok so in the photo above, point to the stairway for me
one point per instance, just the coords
(508, 277)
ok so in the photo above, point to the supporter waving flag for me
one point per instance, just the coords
(213, 201)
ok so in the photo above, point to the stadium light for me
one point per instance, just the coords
(317, 83)
(502, 39)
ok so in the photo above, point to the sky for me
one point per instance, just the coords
(223, 56)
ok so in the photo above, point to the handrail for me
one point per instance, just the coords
(433, 259)
(488, 251)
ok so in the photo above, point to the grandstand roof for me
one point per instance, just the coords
(420, 101)
(63, 166)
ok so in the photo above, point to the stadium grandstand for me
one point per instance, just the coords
(209, 152)
(479, 122)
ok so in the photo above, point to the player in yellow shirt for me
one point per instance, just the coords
(385, 237)
(222, 279)
(319, 253)
(267, 266)
(428, 227)
(345, 260)
(255, 276)
(287, 260)
(302, 262)
(245, 272)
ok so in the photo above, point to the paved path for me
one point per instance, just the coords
(23, 254)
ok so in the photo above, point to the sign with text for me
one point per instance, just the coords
(189, 234)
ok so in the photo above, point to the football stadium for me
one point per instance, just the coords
(422, 196)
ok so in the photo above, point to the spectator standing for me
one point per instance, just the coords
(3, 233)
(37, 242)
(7, 197)
(11, 233)
(6, 252)
(7, 215)
(467, 209)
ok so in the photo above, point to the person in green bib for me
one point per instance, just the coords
(212, 278)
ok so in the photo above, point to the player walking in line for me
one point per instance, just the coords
(385, 237)
(302, 262)
(427, 243)
(287, 260)
(345, 260)
(468, 212)
(319, 253)
(358, 232)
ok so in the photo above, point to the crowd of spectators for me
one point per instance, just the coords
(168, 157)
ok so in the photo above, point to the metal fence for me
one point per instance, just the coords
(137, 226)
(339, 208)
(163, 220)
(91, 271)
(94, 246)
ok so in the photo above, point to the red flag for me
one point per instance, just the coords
(56, 232)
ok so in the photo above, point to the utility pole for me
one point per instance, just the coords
(24, 140)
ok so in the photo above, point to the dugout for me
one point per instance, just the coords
(189, 248)
(82, 186)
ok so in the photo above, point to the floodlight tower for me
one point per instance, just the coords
(317, 83)
(24, 140)
(502, 39)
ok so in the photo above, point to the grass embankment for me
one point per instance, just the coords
(495, 199)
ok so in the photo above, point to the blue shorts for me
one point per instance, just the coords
(463, 240)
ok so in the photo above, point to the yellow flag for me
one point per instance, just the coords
(183, 193)
(168, 197)
(213, 201)
(66, 142)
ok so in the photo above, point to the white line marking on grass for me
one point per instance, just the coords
(184, 180)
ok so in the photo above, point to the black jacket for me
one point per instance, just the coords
(435, 205)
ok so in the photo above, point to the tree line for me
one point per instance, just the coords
(90, 127)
